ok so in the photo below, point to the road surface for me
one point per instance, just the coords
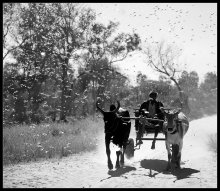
(145, 170)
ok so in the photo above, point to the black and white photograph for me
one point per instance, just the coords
(109, 95)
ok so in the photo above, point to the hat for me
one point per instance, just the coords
(153, 94)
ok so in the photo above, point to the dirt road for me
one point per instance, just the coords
(145, 170)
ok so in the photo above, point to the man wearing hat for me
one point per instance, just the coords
(153, 107)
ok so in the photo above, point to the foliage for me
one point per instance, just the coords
(189, 82)
(210, 82)
(55, 38)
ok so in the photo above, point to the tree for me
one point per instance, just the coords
(15, 95)
(101, 46)
(51, 38)
(141, 78)
(210, 82)
(52, 33)
(11, 40)
(101, 80)
(70, 28)
(34, 55)
(164, 59)
(189, 82)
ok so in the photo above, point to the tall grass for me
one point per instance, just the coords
(32, 142)
(212, 143)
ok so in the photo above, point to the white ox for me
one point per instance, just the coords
(175, 127)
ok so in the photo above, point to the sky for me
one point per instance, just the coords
(190, 26)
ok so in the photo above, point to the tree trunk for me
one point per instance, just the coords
(94, 99)
(64, 91)
(36, 116)
(20, 110)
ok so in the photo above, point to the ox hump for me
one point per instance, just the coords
(121, 110)
(182, 116)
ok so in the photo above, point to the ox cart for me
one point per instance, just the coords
(117, 129)
(143, 126)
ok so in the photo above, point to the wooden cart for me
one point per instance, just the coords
(143, 128)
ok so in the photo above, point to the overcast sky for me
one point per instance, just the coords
(190, 26)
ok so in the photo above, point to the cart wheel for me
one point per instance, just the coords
(129, 151)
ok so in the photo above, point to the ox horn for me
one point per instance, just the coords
(117, 107)
(99, 108)
(162, 109)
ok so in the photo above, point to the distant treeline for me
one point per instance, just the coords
(18, 102)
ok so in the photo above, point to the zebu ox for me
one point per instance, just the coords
(117, 130)
(175, 127)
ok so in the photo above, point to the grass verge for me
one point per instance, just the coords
(23, 143)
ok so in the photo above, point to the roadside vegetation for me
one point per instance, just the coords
(24, 143)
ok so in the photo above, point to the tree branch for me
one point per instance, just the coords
(120, 59)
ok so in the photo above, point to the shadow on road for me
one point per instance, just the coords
(184, 173)
(160, 167)
(120, 171)
(154, 164)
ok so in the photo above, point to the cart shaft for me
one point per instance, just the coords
(150, 119)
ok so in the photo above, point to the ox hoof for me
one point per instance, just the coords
(168, 168)
(177, 167)
(122, 161)
(117, 165)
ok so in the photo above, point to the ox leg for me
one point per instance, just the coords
(179, 155)
(175, 155)
(108, 152)
(122, 156)
(117, 165)
(178, 160)
(169, 156)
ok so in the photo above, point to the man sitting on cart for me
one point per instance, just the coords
(152, 106)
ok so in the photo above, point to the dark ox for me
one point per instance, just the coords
(117, 130)
(175, 127)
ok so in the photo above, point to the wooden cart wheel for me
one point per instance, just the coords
(129, 151)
